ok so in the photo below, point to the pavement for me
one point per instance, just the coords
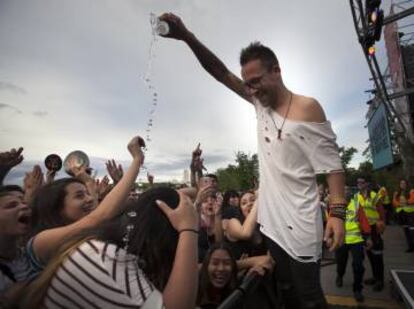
(395, 257)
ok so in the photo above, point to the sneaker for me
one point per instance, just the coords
(358, 296)
(378, 287)
(370, 281)
(339, 282)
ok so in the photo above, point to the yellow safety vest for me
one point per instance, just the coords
(383, 192)
(404, 205)
(369, 206)
(352, 229)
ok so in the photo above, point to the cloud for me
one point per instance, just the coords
(5, 86)
(40, 113)
(4, 105)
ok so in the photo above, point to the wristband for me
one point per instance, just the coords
(337, 205)
(188, 230)
(337, 200)
(338, 212)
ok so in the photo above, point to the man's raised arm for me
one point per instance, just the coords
(210, 62)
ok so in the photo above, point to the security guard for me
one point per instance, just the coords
(357, 234)
(403, 203)
(387, 204)
(371, 202)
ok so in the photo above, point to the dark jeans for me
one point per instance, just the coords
(357, 252)
(406, 219)
(375, 255)
(299, 283)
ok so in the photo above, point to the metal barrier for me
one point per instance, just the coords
(249, 282)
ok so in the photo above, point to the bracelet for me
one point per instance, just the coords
(189, 230)
(338, 212)
(337, 200)
(337, 205)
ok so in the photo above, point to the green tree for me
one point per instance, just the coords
(239, 176)
(346, 155)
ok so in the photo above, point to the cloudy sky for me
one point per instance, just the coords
(71, 77)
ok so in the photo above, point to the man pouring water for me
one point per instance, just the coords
(295, 142)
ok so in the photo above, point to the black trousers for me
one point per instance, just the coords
(375, 255)
(407, 221)
(357, 252)
(299, 283)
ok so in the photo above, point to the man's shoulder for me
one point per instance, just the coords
(310, 109)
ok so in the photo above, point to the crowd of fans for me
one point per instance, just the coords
(80, 242)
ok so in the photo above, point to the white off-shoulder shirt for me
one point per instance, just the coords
(288, 207)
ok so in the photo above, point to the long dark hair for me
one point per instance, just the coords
(153, 239)
(406, 192)
(48, 203)
(204, 283)
(226, 198)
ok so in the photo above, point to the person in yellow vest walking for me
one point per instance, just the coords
(387, 204)
(371, 203)
(357, 235)
(403, 202)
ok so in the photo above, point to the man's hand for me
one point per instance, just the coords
(177, 30)
(262, 264)
(115, 171)
(368, 244)
(10, 159)
(334, 233)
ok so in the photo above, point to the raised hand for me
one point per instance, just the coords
(196, 160)
(32, 182)
(50, 176)
(81, 173)
(203, 193)
(103, 187)
(218, 203)
(135, 148)
(116, 172)
(184, 216)
(10, 159)
(177, 29)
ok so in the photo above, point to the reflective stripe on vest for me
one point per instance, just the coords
(352, 229)
(404, 205)
(369, 206)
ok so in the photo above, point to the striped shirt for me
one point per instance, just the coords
(100, 275)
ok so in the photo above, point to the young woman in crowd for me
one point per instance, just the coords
(65, 208)
(240, 228)
(230, 199)
(218, 276)
(403, 202)
(14, 225)
(144, 258)
(210, 224)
